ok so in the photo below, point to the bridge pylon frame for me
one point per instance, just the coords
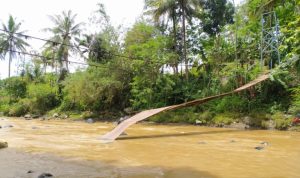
(269, 38)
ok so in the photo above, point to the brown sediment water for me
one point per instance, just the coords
(73, 149)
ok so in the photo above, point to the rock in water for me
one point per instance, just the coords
(55, 115)
(30, 171)
(45, 175)
(27, 116)
(64, 116)
(198, 122)
(35, 116)
(3, 144)
(259, 147)
(8, 126)
(90, 121)
(123, 134)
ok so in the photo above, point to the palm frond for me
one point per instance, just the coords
(12, 39)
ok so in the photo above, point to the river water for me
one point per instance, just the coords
(73, 149)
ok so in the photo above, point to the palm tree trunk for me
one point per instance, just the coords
(174, 43)
(184, 44)
(66, 54)
(66, 60)
(10, 57)
(9, 62)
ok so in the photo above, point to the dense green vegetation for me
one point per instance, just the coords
(176, 52)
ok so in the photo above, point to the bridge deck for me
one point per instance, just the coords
(117, 131)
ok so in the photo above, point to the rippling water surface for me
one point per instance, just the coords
(73, 149)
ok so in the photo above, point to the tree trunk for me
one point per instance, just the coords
(174, 44)
(45, 67)
(184, 43)
(66, 60)
(65, 52)
(9, 63)
(10, 58)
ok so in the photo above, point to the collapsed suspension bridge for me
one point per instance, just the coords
(117, 131)
(269, 44)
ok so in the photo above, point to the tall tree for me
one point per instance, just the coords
(11, 40)
(104, 44)
(216, 14)
(175, 10)
(165, 10)
(188, 9)
(64, 32)
(96, 47)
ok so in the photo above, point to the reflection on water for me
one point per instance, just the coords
(181, 134)
(158, 150)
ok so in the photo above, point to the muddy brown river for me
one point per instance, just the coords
(73, 149)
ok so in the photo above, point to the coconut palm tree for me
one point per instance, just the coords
(11, 41)
(175, 10)
(165, 10)
(64, 32)
(188, 10)
(162, 10)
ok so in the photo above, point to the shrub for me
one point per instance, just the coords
(88, 114)
(4, 109)
(223, 119)
(281, 121)
(150, 93)
(4, 103)
(161, 118)
(91, 90)
(171, 117)
(295, 108)
(42, 98)
(17, 110)
(187, 115)
(264, 124)
(282, 124)
(206, 117)
(232, 103)
(258, 119)
(180, 116)
(15, 87)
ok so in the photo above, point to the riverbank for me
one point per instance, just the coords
(16, 163)
(257, 121)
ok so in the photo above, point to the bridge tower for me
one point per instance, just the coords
(269, 51)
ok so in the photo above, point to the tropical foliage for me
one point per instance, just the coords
(12, 40)
(179, 50)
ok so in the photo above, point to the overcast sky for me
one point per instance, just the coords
(34, 15)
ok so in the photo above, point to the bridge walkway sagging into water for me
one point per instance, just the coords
(117, 131)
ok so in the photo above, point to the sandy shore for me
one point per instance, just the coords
(17, 164)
